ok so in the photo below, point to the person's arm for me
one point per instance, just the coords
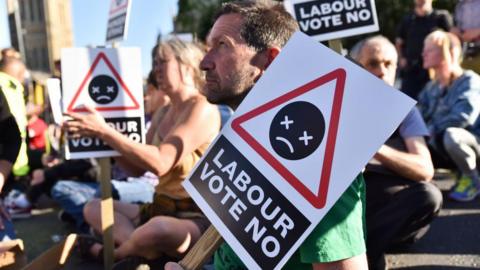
(194, 126)
(77, 168)
(470, 35)
(127, 166)
(416, 164)
(5, 169)
(354, 263)
(462, 113)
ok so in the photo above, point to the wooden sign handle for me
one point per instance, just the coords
(202, 250)
(336, 45)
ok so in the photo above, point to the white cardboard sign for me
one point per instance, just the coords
(332, 19)
(118, 14)
(295, 144)
(110, 80)
(55, 98)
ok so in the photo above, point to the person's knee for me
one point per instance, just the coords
(158, 228)
(431, 197)
(60, 190)
(91, 210)
(451, 138)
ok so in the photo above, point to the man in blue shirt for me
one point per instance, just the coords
(401, 201)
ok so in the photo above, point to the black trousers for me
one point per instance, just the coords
(398, 211)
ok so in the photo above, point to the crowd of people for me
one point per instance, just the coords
(190, 93)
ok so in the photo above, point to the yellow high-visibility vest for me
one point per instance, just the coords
(13, 92)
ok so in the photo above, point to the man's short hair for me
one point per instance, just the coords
(355, 52)
(10, 52)
(266, 23)
(7, 61)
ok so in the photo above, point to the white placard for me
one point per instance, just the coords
(55, 98)
(118, 15)
(297, 141)
(111, 81)
(333, 19)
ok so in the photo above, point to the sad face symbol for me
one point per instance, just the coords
(103, 89)
(297, 130)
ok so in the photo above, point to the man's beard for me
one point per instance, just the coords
(232, 95)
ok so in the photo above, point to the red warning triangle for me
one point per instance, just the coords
(319, 199)
(102, 56)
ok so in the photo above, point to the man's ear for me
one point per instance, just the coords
(263, 59)
(271, 54)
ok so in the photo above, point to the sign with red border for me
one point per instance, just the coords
(318, 200)
(264, 199)
(109, 80)
(101, 56)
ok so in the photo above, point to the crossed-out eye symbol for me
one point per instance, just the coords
(297, 130)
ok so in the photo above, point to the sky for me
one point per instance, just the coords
(89, 19)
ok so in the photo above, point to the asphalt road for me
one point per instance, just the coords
(453, 241)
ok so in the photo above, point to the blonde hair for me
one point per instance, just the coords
(450, 46)
(188, 54)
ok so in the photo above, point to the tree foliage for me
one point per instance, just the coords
(196, 16)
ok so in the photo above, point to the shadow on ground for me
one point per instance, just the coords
(453, 241)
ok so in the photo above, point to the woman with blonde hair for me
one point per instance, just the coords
(179, 134)
(450, 104)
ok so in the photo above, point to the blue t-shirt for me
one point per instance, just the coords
(413, 125)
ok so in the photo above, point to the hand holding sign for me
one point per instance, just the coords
(113, 90)
(91, 124)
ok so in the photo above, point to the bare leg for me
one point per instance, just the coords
(160, 235)
(125, 215)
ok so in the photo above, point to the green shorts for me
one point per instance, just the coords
(340, 235)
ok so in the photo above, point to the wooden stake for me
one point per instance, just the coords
(336, 45)
(106, 207)
(202, 250)
(106, 212)
(55, 257)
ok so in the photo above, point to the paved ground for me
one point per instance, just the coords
(453, 241)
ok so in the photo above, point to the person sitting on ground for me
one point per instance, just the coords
(175, 141)
(20, 204)
(412, 30)
(401, 201)
(450, 105)
(72, 195)
(244, 40)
